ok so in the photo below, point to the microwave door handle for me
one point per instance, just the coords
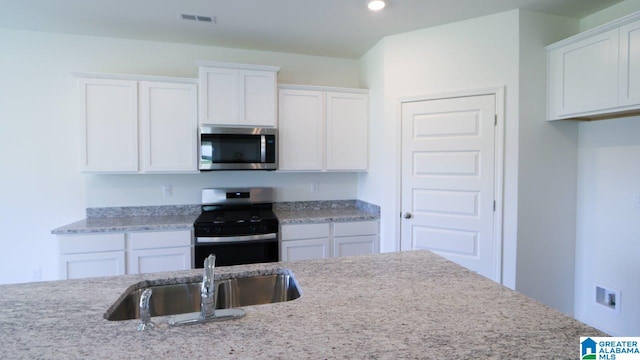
(263, 149)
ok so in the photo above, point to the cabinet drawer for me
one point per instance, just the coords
(159, 239)
(77, 244)
(304, 231)
(355, 228)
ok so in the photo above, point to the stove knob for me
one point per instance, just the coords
(252, 228)
(217, 230)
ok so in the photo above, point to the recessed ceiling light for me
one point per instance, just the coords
(376, 5)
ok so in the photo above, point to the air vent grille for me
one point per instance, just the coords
(202, 18)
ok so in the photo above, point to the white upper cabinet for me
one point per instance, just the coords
(347, 131)
(237, 94)
(629, 68)
(591, 75)
(323, 129)
(114, 107)
(109, 126)
(169, 123)
(301, 130)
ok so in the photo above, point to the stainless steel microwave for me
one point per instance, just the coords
(225, 148)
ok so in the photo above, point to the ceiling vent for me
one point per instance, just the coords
(202, 18)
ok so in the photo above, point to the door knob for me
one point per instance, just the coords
(407, 215)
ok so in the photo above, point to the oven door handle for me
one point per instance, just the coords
(263, 149)
(228, 239)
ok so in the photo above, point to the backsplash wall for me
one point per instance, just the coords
(147, 190)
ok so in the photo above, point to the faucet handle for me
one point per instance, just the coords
(209, 265)
(145, 311)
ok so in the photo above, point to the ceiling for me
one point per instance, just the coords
(336, 28)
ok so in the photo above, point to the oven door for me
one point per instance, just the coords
(237, 149)
(237, 250)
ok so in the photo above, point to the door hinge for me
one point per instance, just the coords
(495, 120)
(494, 205)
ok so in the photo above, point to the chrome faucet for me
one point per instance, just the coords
(145, 311)
(208, 289)
(208, 310)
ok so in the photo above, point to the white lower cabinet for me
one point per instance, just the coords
(328, 240)
(306, 249)
(84, 256)
(305, 242)
(158, 251)
(94, 255)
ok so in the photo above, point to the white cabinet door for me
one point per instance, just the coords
(155, 260)
(629, 93)
(219, 96)
(347, 131)
(355, 238)
(301, 130)
(169, 121)
(583, 76)
(154, 251)
(76, 266)
(355, 245)
(306, 249)
(237, 94)
(109, 130)
(257, 98)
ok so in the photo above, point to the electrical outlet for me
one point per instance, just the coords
(166, 190)
(314, 187)
(609, 298)
(637, 201)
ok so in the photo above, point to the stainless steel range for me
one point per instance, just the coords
(238, 226)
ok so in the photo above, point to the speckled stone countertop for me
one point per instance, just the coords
(325, 211)
(152, 218)
(124, 224)
(411, 305)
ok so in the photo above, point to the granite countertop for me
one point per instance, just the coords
(387, 306)
(153, 218)
(299, 212)
(323, 215)
(124, 224)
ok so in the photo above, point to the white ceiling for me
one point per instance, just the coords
(338, 28)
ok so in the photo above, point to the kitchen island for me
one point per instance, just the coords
(389, 306)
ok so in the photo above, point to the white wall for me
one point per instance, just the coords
(507, 50)
(146, 190)
(608, 249)
(471, 54)
(374, 186)
(547, 166)
(608, 221)
(41, 187)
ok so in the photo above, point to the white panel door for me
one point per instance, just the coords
(347, 131)
(629, 93)
(448, 165)
(169, 123)
(109, 131)
(301, 130)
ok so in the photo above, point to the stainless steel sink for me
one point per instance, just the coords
(230, 293)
